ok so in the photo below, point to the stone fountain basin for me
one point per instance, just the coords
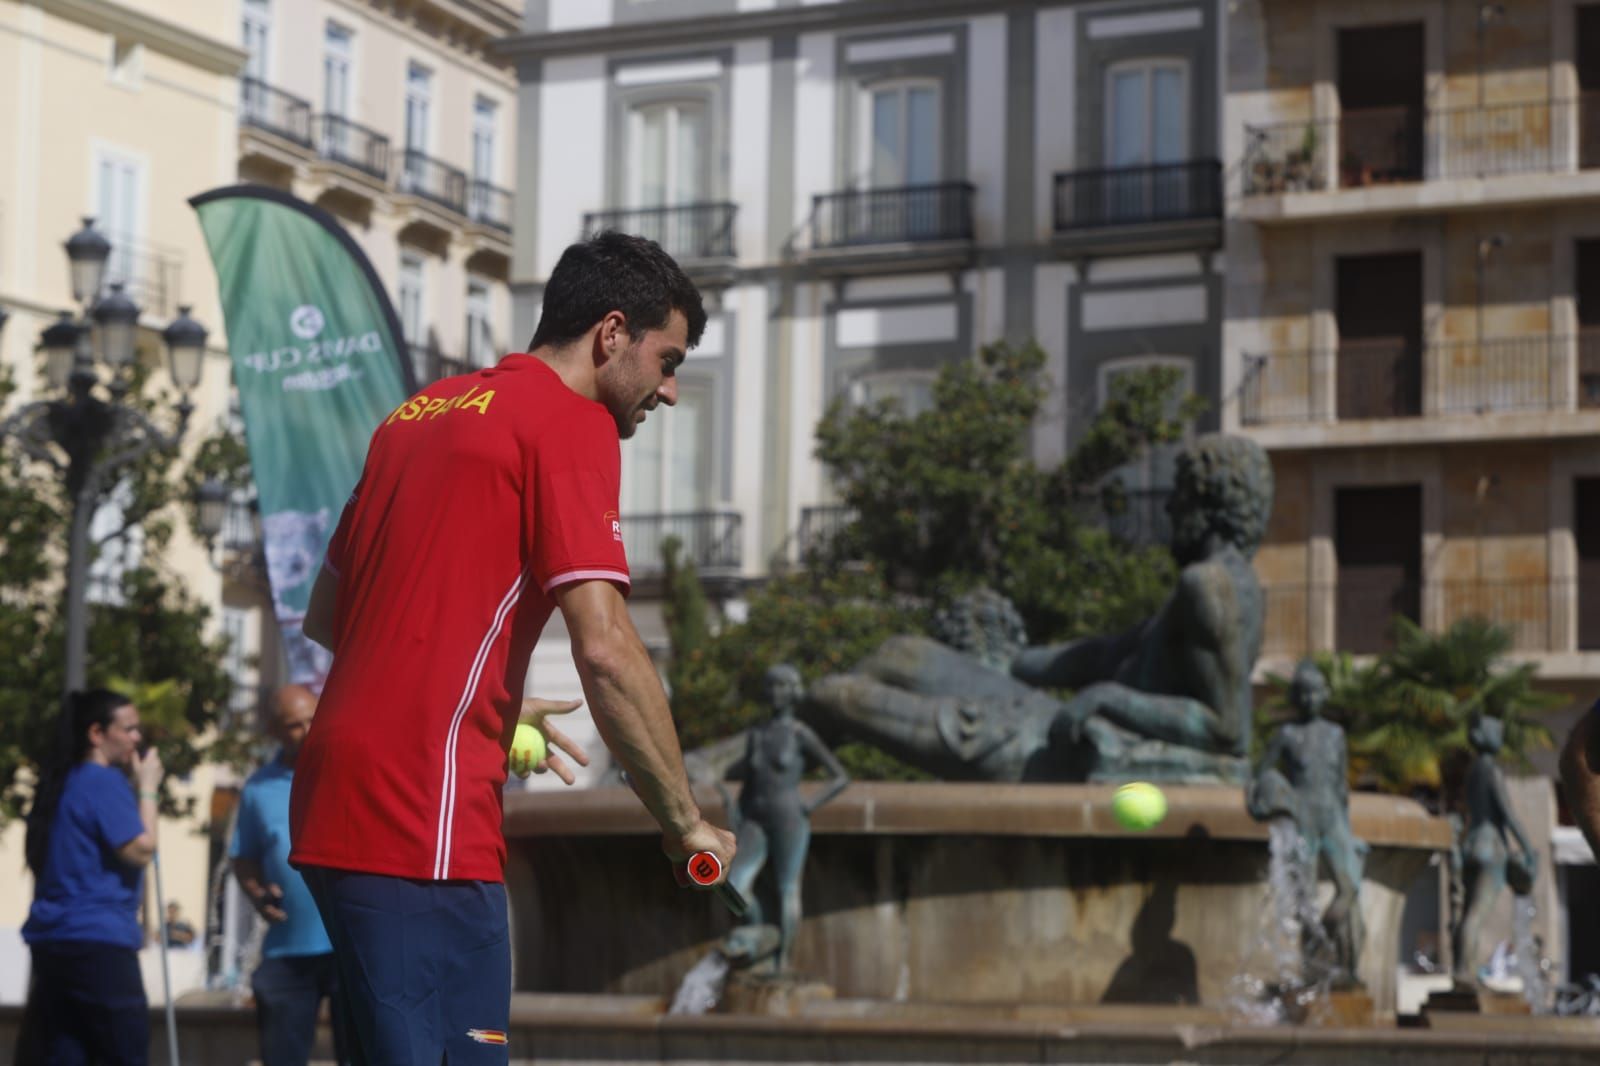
(956, 893)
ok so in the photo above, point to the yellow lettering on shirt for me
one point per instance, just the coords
(422, 406)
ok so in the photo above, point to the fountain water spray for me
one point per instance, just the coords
(1290, 970)
(701, 989)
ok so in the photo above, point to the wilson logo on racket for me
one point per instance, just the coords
(705, 869)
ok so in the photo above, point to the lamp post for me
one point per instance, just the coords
(87, 432)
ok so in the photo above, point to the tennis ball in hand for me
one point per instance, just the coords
(1139, 805)
(527, 749)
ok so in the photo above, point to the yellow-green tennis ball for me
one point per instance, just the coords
(1139, 805)
(527, 749)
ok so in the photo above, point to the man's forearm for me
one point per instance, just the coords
(631, 712)
(1580, 780)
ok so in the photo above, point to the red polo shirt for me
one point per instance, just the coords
(480, 495)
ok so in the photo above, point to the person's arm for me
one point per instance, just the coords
(318, 624)
(265, 897)
(1508, 817)
(1580, 776)
(1076, 663)
(809, 741)
(631, 712)
(147, 774)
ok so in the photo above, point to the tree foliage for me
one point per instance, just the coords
(943, 501)
(148, 636)
(1406, 713)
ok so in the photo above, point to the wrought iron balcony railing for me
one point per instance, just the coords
(342, 141)
(1379, 146)
(433, 365)
(820, 527)
(1395, 379)
(914, 213)
(432, 179)
(275, 111)
(687, 232)
(1133, 196)
(489, 204)
(1361, 612)
(712, 540)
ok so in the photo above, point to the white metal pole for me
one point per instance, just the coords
(166, 972)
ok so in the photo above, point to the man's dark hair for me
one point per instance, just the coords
(614, 271)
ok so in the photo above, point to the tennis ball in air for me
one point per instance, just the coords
(1139, 805)
(527, 749)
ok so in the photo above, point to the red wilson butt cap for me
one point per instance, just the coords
(704, 868)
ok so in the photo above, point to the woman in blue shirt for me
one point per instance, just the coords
(87, 844)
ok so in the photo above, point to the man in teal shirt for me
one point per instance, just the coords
(297, 970)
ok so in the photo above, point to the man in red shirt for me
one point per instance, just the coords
(487, 501)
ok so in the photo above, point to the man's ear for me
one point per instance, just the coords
(612, 336)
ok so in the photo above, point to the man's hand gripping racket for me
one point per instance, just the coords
(703, 868)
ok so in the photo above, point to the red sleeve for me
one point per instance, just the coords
(577, 530)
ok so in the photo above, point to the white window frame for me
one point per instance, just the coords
(857, 388)
(480, 297)
(331, 54)
(419, 90)
(1140, 473)
(903, 86)
(670, 429)
(674, 106)
(1147, 65)
(259, 14)
(128, 235)
(413, 264)
(485, 132)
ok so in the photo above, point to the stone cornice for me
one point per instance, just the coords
(669, 33)
(157, 34)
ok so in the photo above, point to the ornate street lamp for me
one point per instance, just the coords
(211, 506)
(85, 436)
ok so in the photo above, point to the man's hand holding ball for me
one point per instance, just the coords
(535, 737)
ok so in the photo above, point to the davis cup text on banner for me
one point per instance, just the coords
(319, 362)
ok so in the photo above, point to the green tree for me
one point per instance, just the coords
(1406, 712)
(945, 501)
(148, 638)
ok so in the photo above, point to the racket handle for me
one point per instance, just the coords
(703, 868)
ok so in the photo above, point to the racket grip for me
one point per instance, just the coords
(703, 868)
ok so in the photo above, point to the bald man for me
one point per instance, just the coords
(297, 970)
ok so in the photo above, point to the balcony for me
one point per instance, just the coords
(1539, 613)
(1539, 385)
(820, 528)
(868, 230)
(281, 114)
(353, 145)
(430, 364)
(1398, 160)
(151, 274)
(693, 234)
(489, 205)
(1169, 207)
(434, 180)
(274, 132)
(712, 541)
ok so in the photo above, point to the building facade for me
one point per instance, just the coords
(1414, 282)
(397, 120)
(118, 111)
(865, 191)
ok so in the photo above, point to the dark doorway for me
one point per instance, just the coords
(1587, 258)
(1380, 104)
(1379, 309)
(1378, 540)
(1586, 532)
(1588, 85)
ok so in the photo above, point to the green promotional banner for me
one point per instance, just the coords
(319, 361)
